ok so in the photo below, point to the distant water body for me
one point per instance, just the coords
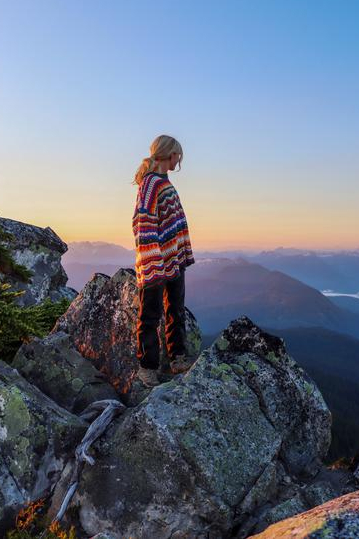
(333, 293)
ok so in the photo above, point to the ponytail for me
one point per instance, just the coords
(147, 165)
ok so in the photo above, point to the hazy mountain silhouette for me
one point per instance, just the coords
(346, 302)
(93, 252)
(338, 271)
(219, 290)
(84, 258)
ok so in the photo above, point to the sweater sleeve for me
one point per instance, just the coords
(149, 259)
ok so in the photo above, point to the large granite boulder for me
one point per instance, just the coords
(37, 437)
(39, 250)
(55, 366)
(102, 323)
(209, 452)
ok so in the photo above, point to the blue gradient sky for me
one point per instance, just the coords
(262, 95)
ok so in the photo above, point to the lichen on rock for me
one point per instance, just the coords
(37, 436)
(39, 250)
(55, 366)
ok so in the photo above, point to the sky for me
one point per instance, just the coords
(261, 94)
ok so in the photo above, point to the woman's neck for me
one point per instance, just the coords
(161, 169)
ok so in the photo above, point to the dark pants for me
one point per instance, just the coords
(171, 296)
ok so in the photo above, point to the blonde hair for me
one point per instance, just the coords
(161, 149)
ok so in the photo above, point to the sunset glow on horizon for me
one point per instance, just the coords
(262, 96)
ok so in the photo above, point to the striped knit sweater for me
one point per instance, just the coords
(160, 228)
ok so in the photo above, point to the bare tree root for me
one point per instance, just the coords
(110, 409)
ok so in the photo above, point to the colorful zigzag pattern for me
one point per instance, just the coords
(160, 228)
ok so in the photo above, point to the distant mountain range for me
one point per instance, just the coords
(337, 271)
(84, 258)
(334, 270)
(97, 252)
(220, 290)
(351, 304)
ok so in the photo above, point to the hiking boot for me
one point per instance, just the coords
(180, 364)
(148, 377)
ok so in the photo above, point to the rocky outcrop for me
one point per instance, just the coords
(36, 436)
(39, 250)
(55, 366)
(336, 519)
(102, 324)
(213, 451)
(225, 450)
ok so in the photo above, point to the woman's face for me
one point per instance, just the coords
(175, 157)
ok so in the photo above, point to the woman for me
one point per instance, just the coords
(163, 251)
